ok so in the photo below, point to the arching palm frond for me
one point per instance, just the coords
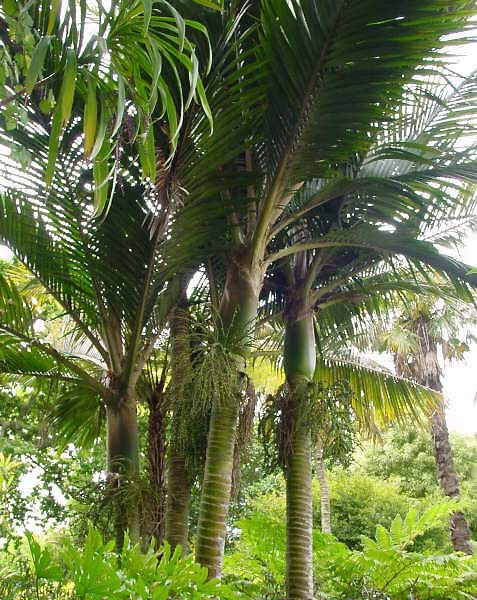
(113, 68)
(323, 110)
(23, 352)
(379, 397)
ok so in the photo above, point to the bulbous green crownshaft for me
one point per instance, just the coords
(299, 355)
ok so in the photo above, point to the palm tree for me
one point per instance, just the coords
(350, 250)
(325, 500)
(103, 278)
(275, 129)
(125, 88)
(179, 474)
(421, 329)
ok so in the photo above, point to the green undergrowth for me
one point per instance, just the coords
(387, 567)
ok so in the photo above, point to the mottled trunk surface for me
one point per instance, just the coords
(179, 480)
(122, 459)
(178, 500)
(299, 364)
(157, 465)
(244, 431)
(325, 502)
(216, 488)
(238, 311)
(447, 476)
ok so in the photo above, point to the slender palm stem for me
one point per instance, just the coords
(215, 498)
(178, 499)
(179, 480)
(426, 371)
(238, 312)
(299, 569)
(325, 503)
(448, 480)
(299, 362)
(157, 428)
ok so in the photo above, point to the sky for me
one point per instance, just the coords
(459, 378)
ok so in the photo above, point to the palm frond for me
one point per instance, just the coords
(379, 397)
(337, 70)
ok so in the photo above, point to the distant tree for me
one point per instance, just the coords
(422, 329)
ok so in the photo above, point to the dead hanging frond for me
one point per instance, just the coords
(164, 195)
(244, 431)
(326, 411)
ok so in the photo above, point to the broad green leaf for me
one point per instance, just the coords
(147, 154)
(36, 64)
(120, 105)
(205, 104)
(101, 176)
(160, 593)
(10, 7)
(68, 87)
(219, 5)
(180, 24)
(90, 117)
(169, 105)
(147, 6)
(382, 537)
(55, 4)
(54, 145)
(101, 131)
(396, 530)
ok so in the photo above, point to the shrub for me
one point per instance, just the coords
(387, 568)
(96, 572)
(358, 503)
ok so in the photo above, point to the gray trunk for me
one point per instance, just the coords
(426, 371)
(322, 477)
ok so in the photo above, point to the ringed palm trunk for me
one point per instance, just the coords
(238, 311)
(299, 363)
(179, 481)
(178, 500)
(325, 503)
(123, 463)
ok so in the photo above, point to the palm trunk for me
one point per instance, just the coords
(123, 464)
(157, 458)
(244, 431)
(238, 311)
(324, 491)
(215, 497)
(299, 363)
(447, 476)
(179, 480)
(427, 372)
(178, 499)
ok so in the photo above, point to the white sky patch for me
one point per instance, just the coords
(5, 253)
